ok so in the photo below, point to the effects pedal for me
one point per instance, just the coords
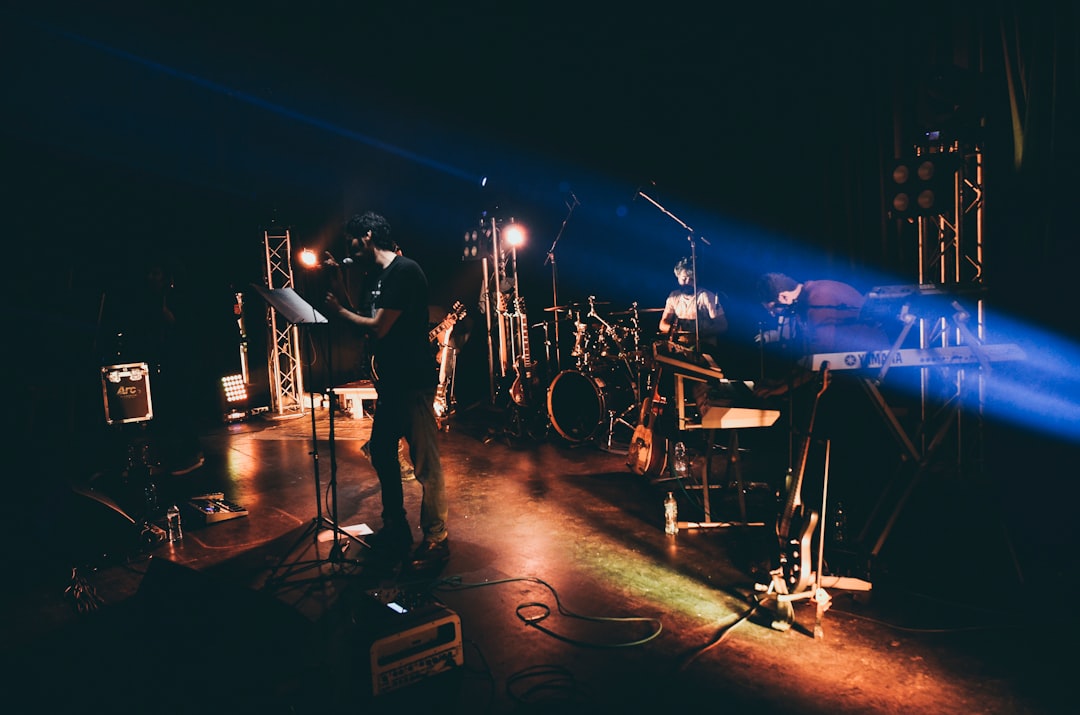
(214, 507)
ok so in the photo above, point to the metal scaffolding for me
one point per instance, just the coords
(286, 377)
(951, 259)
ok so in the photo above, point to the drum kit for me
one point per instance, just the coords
(608, 371)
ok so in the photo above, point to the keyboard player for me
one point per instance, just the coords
(818, 316)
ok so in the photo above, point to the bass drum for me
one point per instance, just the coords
(580, 404)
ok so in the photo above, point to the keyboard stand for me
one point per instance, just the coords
(732, 419)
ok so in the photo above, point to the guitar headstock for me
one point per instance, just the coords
(825, 377)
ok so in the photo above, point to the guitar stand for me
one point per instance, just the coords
(777, 586)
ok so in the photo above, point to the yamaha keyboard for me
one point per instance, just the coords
(914, 357)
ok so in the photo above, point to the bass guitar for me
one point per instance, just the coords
(795, 527)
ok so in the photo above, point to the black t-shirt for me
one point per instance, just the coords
(403, 356)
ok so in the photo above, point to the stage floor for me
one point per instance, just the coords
(569, 594)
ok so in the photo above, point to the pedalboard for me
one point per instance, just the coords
(213, 508)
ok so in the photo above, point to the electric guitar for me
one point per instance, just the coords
(456, 314)
(795, 527)
(521, 390)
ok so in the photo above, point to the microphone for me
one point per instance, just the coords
(346, 261)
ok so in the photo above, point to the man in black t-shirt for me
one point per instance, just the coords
(406, 385)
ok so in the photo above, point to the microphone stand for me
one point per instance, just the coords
(693, 259)
(555, 283)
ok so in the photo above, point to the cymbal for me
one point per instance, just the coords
(557, 309)
(639, 310)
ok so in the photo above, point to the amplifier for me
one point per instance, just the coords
(409, 642)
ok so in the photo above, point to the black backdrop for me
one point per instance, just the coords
(184, 132)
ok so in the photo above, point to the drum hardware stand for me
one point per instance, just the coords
(298, 312)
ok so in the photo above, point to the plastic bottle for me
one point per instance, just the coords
(680, 466)
(671, 515)
(173, 528)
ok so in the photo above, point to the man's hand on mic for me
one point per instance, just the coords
(329, 261)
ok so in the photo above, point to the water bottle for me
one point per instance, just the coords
(173, 529)
(680, 466)
(671, 515)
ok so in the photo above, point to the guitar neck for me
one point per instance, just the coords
(447, 322)
(794, 497)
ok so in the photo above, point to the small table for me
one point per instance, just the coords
(353, 395)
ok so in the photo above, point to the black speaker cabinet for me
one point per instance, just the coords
(126, 391)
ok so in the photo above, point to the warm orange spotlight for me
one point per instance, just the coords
(513, 234)
(308, 258)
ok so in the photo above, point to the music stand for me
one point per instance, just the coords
(298, 311)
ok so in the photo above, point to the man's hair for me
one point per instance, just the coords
(684, 264)
(771, 285)
(360, 224)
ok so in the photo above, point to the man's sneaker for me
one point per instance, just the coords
(431, 554)
(391, 539)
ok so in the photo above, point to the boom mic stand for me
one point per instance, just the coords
(693, 259)
(574, 203)
(298, 312)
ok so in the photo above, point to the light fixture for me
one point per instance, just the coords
(922, 185)
(513, 234)
(235, 395)
(308, 258)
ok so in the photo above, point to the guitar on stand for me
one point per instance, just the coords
(447, 359)
(647, 455)
(439, 337)
(795, 527)
(526, 393)
(522, 391)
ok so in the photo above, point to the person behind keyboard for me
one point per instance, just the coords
(818, 316)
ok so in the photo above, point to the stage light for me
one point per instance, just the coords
(235, 395)
(513, 234)
(308, 258)
(922, 185)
